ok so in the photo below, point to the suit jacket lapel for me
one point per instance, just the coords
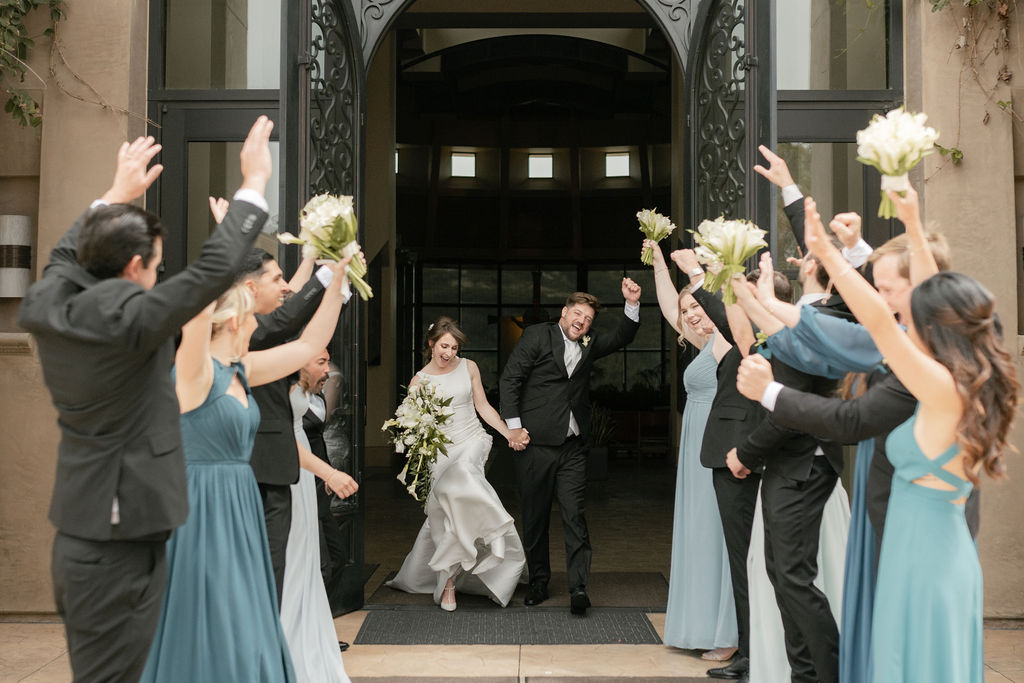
(558, 348)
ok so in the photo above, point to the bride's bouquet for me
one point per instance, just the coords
(656, 227)
(723, 247)
(328, 229)
(417, 431)
(894, 144)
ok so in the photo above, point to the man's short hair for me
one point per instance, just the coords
(112, 234)
(783, 287)
(254, 263)
(583, 298)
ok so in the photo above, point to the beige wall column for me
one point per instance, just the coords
(973, 205)
(74, 159)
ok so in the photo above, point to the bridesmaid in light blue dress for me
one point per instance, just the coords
(701, 614)
(928, 600)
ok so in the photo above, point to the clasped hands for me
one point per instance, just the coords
(518, 439)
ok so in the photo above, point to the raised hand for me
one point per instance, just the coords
(753, 376)
(659, 258)
(219, 208)
(846, 227)
(738, 469)
(908, 208)
(766, 281)
(685, 260)
(630, 291)
(133, 177)
(256, 162)
(777, 172)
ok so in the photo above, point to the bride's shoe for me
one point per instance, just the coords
(448, 599)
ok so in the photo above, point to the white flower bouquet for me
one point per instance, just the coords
(417, 430)
(328, 229)
(656, 227)
(894, 144)
(723, 248)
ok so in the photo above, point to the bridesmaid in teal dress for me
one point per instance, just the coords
(700, 614)
(219, 620)
(927, 622)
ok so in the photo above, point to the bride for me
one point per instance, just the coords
(468, 540)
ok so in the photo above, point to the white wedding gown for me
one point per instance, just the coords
(768, 662)
(468, 534)
(305, 613)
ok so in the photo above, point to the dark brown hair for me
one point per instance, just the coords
(440, 327)
(954, 316)
(583, 298)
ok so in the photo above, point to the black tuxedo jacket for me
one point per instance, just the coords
(885, 405)
(106, 348)
(733, 416)
(275, 458)
(314, 428)
(535, 387)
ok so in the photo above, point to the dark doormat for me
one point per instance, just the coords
(648, 590)
(615, 679)
(436, 679)
(512, 626)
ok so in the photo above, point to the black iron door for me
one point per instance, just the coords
(321, 141)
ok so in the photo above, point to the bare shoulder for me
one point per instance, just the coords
(415, 381)
(471, 366)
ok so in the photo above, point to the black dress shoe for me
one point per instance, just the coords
(735, 670)
(342, 645)
(537, 594)
(579, 601)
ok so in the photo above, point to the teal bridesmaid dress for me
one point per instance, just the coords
(220, 620)
(928, 602)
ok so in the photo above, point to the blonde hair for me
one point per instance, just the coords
(236, 302)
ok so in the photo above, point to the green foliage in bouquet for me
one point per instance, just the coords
(723, 248)
(417, 431)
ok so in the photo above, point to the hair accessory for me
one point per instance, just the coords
(430, 327)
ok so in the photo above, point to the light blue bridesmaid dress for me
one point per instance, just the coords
(701, 613)
(928, 601)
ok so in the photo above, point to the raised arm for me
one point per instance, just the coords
(739, 323)
(922, 261)
(193, 367)
(302, 274)
(668, 297)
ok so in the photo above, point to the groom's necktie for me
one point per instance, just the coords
(573, 353)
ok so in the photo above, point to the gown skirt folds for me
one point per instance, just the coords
(468, 534)
(927, 622)
(219, 620)
(701, 613)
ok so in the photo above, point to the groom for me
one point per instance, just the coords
(545, 393)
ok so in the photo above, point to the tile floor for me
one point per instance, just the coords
(630, 517)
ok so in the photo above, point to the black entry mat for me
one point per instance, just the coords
(606, 589)
(614, 679)
(513, 626)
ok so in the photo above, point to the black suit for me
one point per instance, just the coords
(275, 457)
(885, 405)
(333, 554)
(536, 388)
(106, 348)
(795, 486)
(732, 418)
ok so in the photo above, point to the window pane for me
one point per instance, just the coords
(441, 285)
(606, 376)
(556, 285)
(213, 171)
(516, 286)
(224, 44)
(474, 323)
(644, 371)
(540, 166)
(649, 334)
(480, 286)
(827, 45)
(487, 361)
(463, 165)
(606, 285)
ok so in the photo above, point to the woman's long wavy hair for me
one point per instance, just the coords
(954, 316)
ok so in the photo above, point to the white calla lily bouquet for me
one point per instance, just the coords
(723, 248)
(417, 431)
(894, 144)
(328, 229)
(655, 227)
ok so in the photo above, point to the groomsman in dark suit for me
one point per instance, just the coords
(280, 317)
(545, 400)
(104, 330)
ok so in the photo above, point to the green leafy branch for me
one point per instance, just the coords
(15, 45)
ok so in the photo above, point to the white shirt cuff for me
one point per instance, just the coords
(97, 202)
(696, 285)
(858, 254)
(326, 276)
(253, 197)
(771, 395)
(791, 194)
(514, 423)
(632, 311)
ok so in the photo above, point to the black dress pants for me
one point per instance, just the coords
(277, 513)
(109, 594)
(333, 552)
(792, 524)
(737, 499)
(545, 472)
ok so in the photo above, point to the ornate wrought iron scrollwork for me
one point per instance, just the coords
(332, 102)
(720, 113)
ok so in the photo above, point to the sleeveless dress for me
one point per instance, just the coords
(219, 620)
(468, 534)
(701, 613)
(928, 601)
(305, 610)
(768, 660)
